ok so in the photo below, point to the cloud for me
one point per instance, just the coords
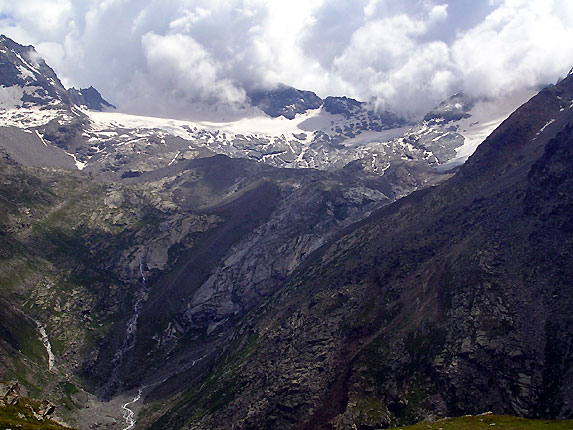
(178, 57)
(387, 58)
(522, 44)
(184, 71)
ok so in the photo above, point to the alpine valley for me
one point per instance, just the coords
(316, 264)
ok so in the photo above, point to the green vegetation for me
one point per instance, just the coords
(24, 415)
(57, 235)
(33, 376)
(497, 422)
(368, 411)
(215, 392)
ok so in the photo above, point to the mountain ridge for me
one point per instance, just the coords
(335, 132)
(457, 309)
(21, 66)
(179, 269)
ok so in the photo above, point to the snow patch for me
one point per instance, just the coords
(29, 117)
(80, 165)
(46, 341)
(11, 97)
(41, 137)
(255, 126)
(367, 137)
(551, 121)
(435, 139)
(28, 65)
(108, 134)
(175, 158)
(25, 73)
(484, 118)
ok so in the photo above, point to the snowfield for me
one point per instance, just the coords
(485, 117)
(316, 139)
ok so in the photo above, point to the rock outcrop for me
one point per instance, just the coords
(10, 392)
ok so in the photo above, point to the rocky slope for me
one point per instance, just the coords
(87, 255)
(84, 263)
(454, 300)
(179, 265)
(284, 101)
(18, 411)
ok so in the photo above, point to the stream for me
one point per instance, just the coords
(46, 341)
(130, 332)
(128, 414)
(141, 297)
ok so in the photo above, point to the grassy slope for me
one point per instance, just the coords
(22, 416)
(50, 271)
(498, 422)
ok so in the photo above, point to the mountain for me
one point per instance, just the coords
(454, 300)
(100, 222)
(323, 134)
(327, 270)
(89, 98)
(462, 277)
(28, 82)
(33, 99)
(453, 109)
(284, 101)
(154, 269)
(288, 102)
(26, 79)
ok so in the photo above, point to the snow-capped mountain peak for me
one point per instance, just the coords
(295, 128)
(89, 98)
(26, 80)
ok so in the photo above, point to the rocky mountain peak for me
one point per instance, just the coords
(89, 98)
(288, 102)
(26, 80)
(284, 101)
(455, 108)
(342, 106)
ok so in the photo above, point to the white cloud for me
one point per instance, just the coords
(522, 43)
(35, 13)
(186, 71)
(170, 56)
(390, 62)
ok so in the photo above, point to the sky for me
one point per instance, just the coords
(180, 57)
